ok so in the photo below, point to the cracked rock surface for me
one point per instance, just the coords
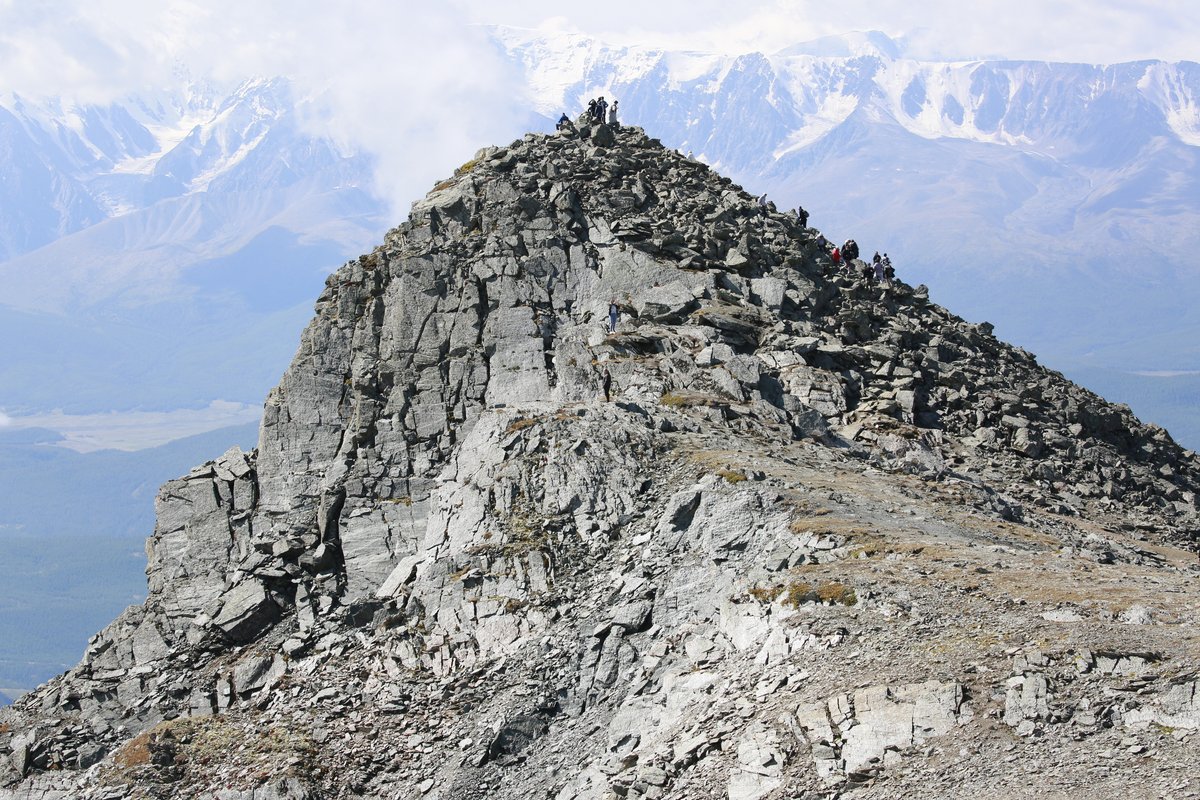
(827, 539)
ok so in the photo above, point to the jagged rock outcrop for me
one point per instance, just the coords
(798, 551)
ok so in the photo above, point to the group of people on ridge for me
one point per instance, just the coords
(764, 203)
(599, 112)
(879, 269)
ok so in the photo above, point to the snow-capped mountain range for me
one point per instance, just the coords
(198, 174)
(162, 252)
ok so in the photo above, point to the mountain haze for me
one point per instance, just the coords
(164, 231)
(1058, 201)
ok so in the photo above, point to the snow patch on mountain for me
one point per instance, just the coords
(832, 112)
(1167, 87)
(553, 64)
(167, 136)
(856, 44)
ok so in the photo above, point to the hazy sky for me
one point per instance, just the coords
(398, 78)
(1098, 31)
(105, 46)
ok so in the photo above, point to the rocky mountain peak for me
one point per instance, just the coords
(819, 534)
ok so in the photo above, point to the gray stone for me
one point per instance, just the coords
(633, 617)
(245, 611)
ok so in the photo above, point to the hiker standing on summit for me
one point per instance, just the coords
(613, 311)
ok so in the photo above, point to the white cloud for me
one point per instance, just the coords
(420, 86)
(1098, 31)
(416, 85)
(5, 419)
(420, 51)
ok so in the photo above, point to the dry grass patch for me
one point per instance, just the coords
(765, 594)
(1080, 588)
(838, 593)
(688, 400)
(828, 592)
(399, 501)
(205, 744)
(134, 753)
(520, 424)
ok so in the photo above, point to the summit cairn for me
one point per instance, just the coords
(826, 538)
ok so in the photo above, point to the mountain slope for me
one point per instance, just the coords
(824, 535)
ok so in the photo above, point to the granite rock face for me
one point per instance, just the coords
(817, 540)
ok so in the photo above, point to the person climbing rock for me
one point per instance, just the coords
(889, 273)
(601, 110)
(613, 312)
(564, 123)
(836, 255)
(802, 216)
(591, 110)
(607, 383)
(612, 114)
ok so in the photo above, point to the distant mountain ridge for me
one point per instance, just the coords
(198, 172)
(188, 232)
(1036, 105)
